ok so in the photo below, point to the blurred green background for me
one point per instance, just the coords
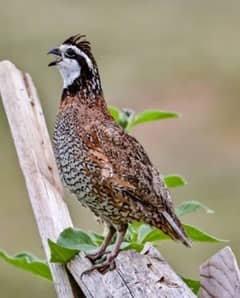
(172, 55)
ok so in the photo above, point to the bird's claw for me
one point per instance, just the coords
(94, 257)
(107, 265)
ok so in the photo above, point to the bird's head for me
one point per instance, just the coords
(75, 62)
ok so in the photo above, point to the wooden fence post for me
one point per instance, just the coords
(144, 275)
(37, 162)
(220, 275)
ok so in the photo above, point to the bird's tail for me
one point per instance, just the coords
(172, 226)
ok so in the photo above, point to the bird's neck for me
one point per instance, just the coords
(87, 86)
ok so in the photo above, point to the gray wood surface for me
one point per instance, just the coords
(34, 150)
(136, 275)
(220, 276)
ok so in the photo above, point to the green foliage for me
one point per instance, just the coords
(151, 115)
(78, 239)
(127, 118)
(192, 206)
(198, 235)
(72, 241)
(60, 254)
(148, 234)
(194, 285)
(174, 181)
(28, 262)
(138, 234)
(114, 112)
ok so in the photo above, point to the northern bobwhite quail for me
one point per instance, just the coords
(107, 169)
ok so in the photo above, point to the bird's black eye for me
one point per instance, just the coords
(70, 53)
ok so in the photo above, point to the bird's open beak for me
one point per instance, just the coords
(57, 52)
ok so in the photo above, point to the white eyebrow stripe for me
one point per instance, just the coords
(64, 47)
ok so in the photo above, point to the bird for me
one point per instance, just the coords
(106, 168)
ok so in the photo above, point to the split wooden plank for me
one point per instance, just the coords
(220, 276)
(136, 275)
(34, 150)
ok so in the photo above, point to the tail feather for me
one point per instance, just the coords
(174, 228)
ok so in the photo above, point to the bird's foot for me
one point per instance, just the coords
(95, 256)
(107, 265)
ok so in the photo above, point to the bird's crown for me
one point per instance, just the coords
(80, 42)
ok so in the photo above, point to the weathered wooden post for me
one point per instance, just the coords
(34, 150)
(220, 275)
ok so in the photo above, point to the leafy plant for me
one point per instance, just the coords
(174, 180)
(127, 118)
(28, 263)
(194, 285)
(72, 241)
(192, 206)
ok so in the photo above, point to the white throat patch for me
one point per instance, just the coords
(69, 68)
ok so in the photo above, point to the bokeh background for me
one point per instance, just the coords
(172, 55)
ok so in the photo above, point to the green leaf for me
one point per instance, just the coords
(155, 235)
(152, 115)
(125, 245)
(197, 235)
(96, 238)
(149, 234)
(60, 254)
(70, 242)
(191, 206)
(136, 225)
(194, 285)
(133, 245)
(143, 231)
(76, 239)
(126, 117)
(28, 263)
(131, 235)
(114, 112)
(123, 117)
(174, 180)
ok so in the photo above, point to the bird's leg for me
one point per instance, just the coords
(109, 264)
(100, 252)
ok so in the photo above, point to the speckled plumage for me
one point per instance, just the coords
(107, 169)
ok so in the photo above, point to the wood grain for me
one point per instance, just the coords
(34, 150)
(136, 275)
(220, 276)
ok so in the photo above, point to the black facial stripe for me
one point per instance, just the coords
(70, 53)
